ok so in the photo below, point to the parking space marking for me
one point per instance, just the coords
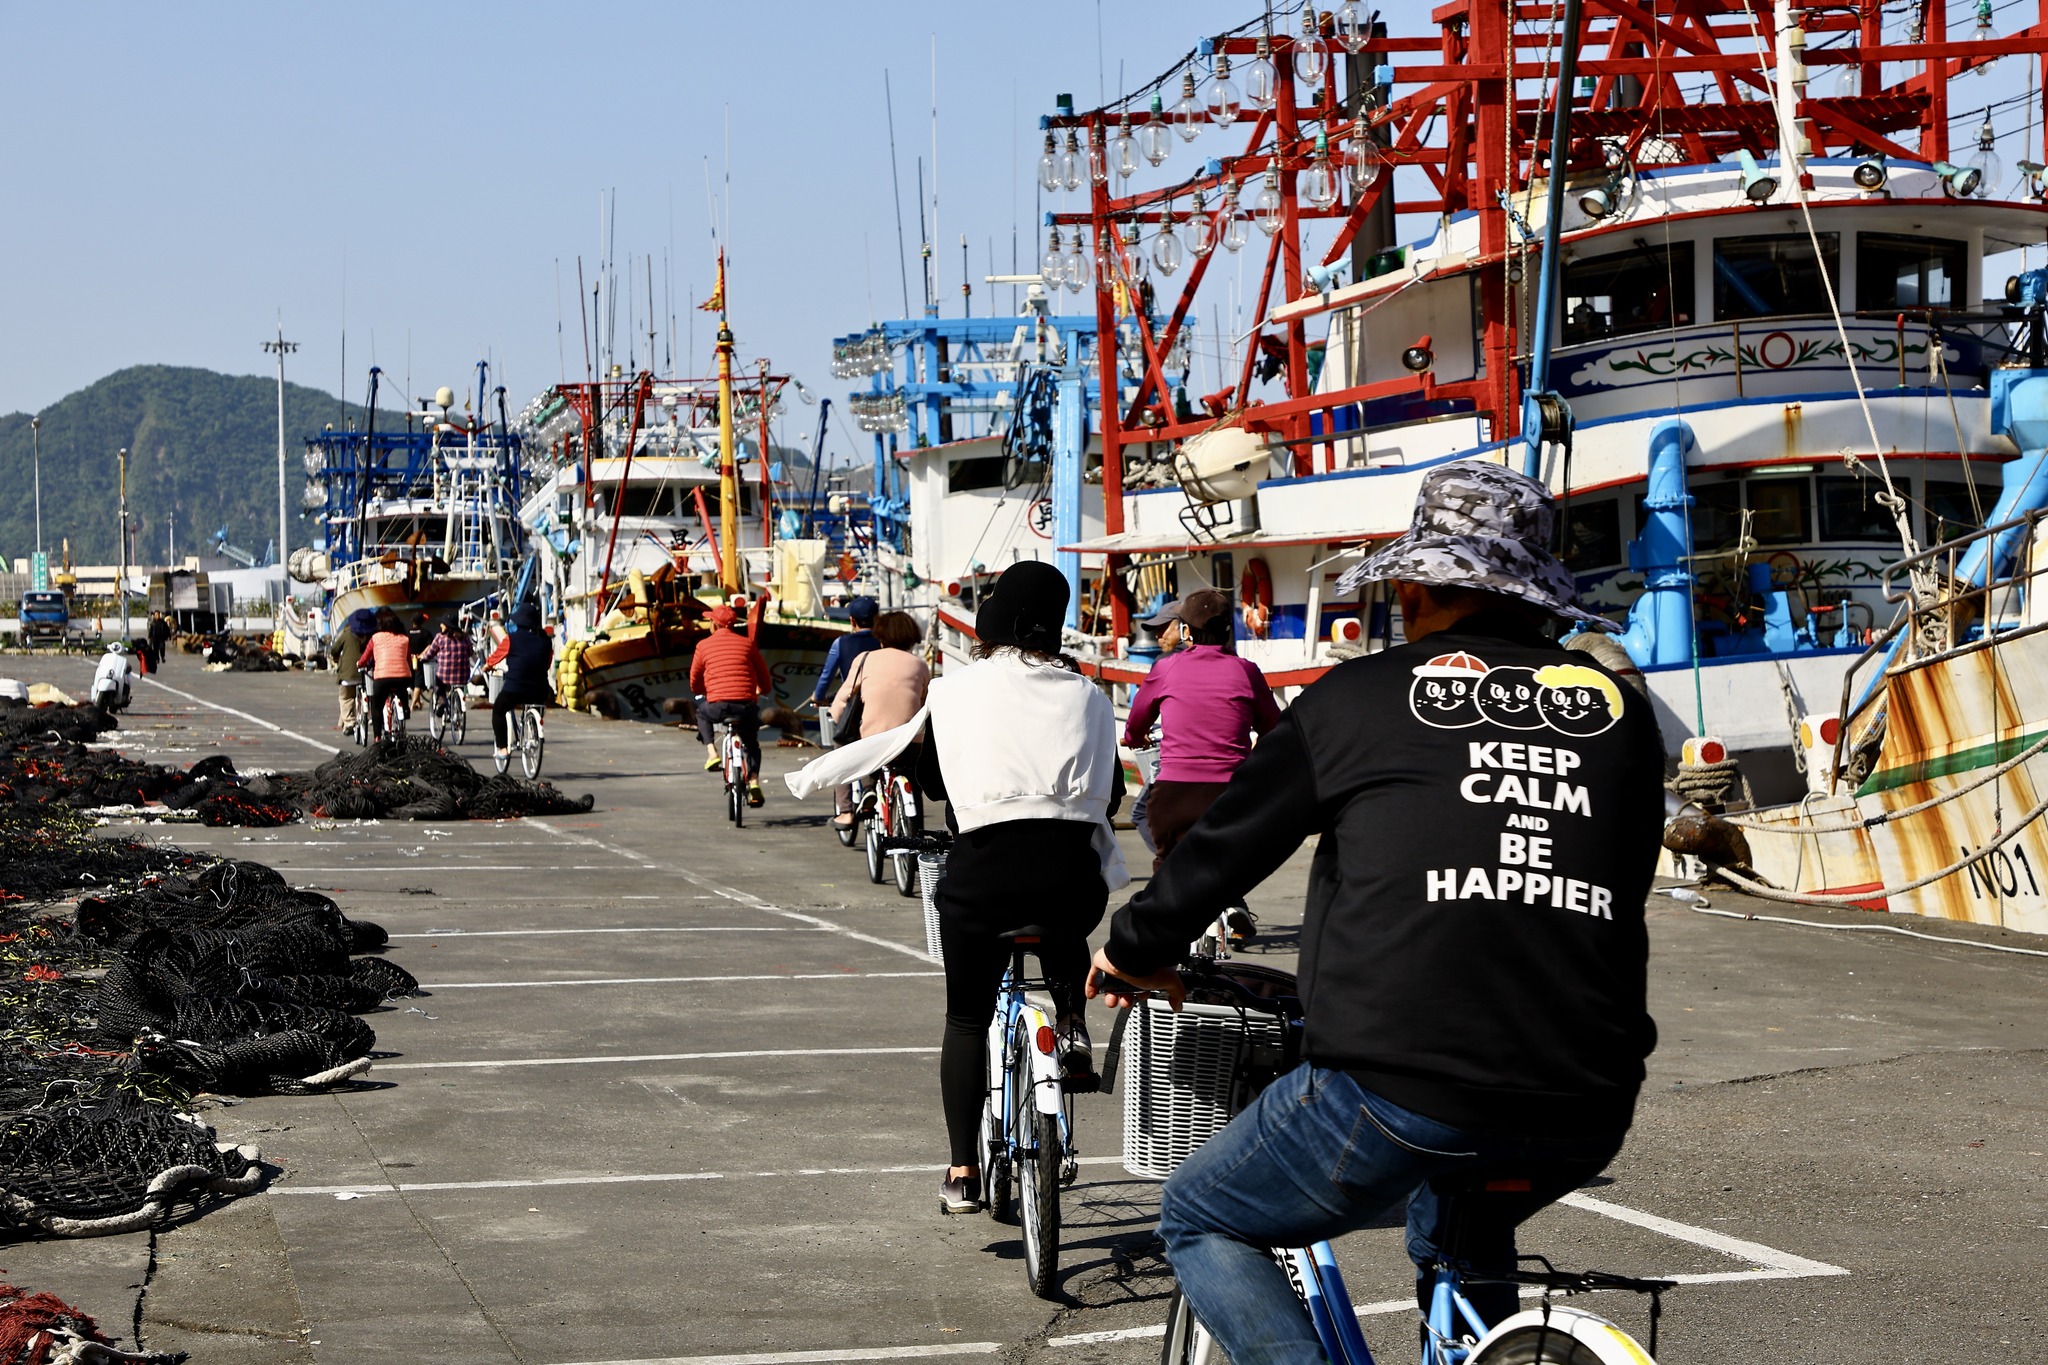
(656, 1178)
(657, 1057)
(944, 1348)
(254, 720)
(1767, 1263)
(745, 898)
(637, 929)
(667, 980)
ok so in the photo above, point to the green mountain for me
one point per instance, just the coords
(201, 446)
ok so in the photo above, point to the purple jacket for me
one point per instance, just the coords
(1209, 704)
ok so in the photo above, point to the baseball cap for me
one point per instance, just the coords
(1204, 606)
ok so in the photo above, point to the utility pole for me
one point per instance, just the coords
(172, 562)
(282, 349)
(127, 633)
(35, 440)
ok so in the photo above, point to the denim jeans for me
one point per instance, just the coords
(1317, 1156)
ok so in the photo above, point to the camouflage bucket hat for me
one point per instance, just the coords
(1480, 526)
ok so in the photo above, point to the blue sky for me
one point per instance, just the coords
(424, 174)
(178, 174)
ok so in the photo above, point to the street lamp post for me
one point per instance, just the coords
(127, 631)
(282, 348)
(35, 440)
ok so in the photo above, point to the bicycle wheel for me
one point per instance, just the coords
(905, 864)
(458, 717)
(847, 834)
(877, 864)
(995, 1158)
(1187, 1341)
(530, 744)
(1038, 1177)
(504, 760)
(437, 721)
(1535, 1344)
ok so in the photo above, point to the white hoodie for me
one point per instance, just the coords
(1016, 741)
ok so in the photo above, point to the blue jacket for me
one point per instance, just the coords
(840, 657)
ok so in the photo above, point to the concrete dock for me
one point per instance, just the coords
(671, 1098)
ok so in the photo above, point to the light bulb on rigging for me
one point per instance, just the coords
(1053, 269)
(1098, 157)
(1131, 260)
(1201, 228)
(1319, 180)
(1221, 98)
(1230, 225)
(1352, 29)
(1261, 85)
(1310, 61)
(1071, 164)
(1049, 165)
(1984, 29)
(1187, 111)
(1125, 160)
(1363, 159)
(1155, 140)
(1079, 274)
(1266, 206)
(1166, 253)
(1990, 167)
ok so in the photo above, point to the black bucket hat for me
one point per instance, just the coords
(1026, 608)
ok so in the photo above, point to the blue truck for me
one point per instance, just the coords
(45, 616)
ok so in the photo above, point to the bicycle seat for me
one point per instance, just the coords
(1030, 933)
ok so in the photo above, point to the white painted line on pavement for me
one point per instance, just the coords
(943, 1348)
(665, 1177)
(1772, 1265)
(659, 1057)
(254, 720)
(667, 980)
(1756, 1253)
(734, 894)
(642, 929)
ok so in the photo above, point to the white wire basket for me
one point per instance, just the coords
(1180, 1075)
(930, 868)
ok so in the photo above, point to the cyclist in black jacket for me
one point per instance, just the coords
(1487, 808)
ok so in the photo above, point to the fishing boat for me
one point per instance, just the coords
(654, 498)
(1719, 278)
(418, 519)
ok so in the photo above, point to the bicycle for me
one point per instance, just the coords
(524, 735)
(395, 713)
(448, 717)
(1453, 1333)
(1027, 1122)
(359, 730)
(732, 757)
(895, 829)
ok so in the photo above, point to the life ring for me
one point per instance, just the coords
(1255, 597)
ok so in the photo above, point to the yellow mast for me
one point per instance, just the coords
(728, 479)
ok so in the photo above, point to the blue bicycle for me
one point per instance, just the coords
(1453, 1331)
(1027, 1122)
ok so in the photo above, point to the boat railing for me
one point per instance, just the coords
(1959, 615)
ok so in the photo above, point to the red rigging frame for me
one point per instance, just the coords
(1468, 107)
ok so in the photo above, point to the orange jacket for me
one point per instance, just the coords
(727, 666)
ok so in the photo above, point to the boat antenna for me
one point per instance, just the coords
(561, 353)
(1545, 415)
(896, 189)
(924, 245)
(584, 320)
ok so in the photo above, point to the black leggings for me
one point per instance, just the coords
(509, 701)
(746, 723)
(380, 689)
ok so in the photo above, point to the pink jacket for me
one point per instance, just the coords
(892, 683)
(1209, 704)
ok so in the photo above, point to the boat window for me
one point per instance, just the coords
(1643, 290)
(1949, 509)
(1589, 532)
(646, 502)
(1849, 511)
(1756, 277)
(1779, 508)
(1894, 272)
(981, 471)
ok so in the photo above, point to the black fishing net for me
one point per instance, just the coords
(41, 724)
(111, 1165)
(49, 851)
(137, 1000)
(229, 894)
(411, 777)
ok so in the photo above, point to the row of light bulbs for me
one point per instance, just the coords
(857, 359)
(1067, 262)
(879, 411)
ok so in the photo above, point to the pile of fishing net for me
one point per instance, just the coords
(410, 777)
(95, 779)
(78, 723)
(175, 975)
(42, 1329)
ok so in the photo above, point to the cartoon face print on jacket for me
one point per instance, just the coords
(1445, 692)
(1507, 697)
(1576, 700)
